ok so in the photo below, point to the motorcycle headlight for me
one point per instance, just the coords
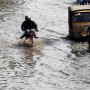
(33, 30)
(28, 30)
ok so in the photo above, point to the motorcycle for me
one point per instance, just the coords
(29, 35)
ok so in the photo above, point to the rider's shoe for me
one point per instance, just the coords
(21, 37)
(88, 51)
(36, 37)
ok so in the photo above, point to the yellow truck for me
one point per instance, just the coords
(78, 20)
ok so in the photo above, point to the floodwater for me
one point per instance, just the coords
(53, 63)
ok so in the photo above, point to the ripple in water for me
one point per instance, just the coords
(11, 2)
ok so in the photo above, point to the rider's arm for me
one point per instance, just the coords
(22, 27)
(35, 26)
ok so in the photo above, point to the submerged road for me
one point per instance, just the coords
(54, 63)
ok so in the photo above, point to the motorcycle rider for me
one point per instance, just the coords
(28, 24)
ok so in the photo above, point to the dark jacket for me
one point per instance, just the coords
(29, 24)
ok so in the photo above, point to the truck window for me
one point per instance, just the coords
(81, 17)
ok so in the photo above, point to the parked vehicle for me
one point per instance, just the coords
(88, 1)
(83, 2)
(78, 20)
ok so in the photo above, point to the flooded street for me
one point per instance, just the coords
(54, 63)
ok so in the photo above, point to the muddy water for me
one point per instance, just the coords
(54, 63)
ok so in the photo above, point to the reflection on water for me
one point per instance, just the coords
(32, 54)
(50, 64)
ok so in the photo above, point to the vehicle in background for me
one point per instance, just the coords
(84, 2)
(87, 1)
(78, 20)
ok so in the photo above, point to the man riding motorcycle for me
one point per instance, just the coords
(28, 24)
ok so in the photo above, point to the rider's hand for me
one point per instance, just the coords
(23, 29)
(37, 30)
(20, 37)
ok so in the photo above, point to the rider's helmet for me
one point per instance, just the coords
(27, 18)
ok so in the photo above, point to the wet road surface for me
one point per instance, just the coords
(54, 63)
